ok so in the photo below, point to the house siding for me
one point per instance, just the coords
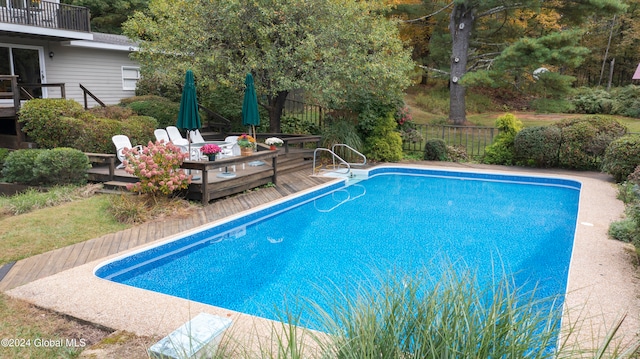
(100, 71)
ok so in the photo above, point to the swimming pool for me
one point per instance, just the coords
(397, 218)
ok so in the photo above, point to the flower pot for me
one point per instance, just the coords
(272, 148)
(246, 151)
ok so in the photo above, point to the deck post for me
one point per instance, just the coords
(274, 161)
(205, 185)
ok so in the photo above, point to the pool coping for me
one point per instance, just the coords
(602, 284)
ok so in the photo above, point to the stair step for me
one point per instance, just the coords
(116, 185)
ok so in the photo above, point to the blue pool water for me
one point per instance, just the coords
(397, 219)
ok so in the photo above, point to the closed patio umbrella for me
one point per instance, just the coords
(250, 114)
(189, 116)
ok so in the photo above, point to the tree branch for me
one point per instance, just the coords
(430, 15)
(498, 9)
(434, 70)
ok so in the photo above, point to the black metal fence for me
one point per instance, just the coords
(304, 112)
(472, 139)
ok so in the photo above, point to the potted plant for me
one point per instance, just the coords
(210, 150)
(246, 143)
(273, 142)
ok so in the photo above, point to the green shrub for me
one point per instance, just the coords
(113, 112)
(537, 146)
(160, 108)
(96, 135)
(501, 151)
(435, 150)
(387, 148)
(625, 230)
(61, 166)
(627, 101)
(548, 105)
(622, 157)
(18, 166)
(4, 152)
(40, 119)
(592, 101)
(296, 125)
(384, 143)
(585, 139)
(139, 129)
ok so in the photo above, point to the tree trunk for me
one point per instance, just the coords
(460, 25)
(275, 107)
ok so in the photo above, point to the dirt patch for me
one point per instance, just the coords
(120, 344)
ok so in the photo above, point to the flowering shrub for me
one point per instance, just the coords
(246, 141)
(210, 149)
(403, 115)
(158, 168)
(273, 141)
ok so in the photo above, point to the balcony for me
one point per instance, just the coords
(43, 15)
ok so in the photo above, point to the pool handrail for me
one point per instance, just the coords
(334, 156)
(364, 158)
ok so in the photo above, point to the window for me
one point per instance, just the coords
(130, 77)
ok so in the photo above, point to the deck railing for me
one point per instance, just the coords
(45, 14)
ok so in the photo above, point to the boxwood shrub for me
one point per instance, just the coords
(61, 166)
(55, 123)
(160, 108)
(40, 119)
(585, 139)
(538, 146)
(622, 157)
(435, 150)
(19, 164)
(46, 166)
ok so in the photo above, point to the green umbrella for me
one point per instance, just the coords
(189, 116)
(250, 114)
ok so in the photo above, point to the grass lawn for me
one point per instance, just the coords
(421, 114)
(50, 228)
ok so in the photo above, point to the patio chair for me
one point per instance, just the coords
(196, 137)
(121, 142)
(162, 135)
(233, 149)
(176, 137)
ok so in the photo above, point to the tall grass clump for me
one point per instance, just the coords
(33, 199)
(451, 316)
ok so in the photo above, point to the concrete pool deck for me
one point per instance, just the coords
(603, 281)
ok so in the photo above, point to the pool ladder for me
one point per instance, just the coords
(337, 161)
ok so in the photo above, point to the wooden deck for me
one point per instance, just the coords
(49, 263)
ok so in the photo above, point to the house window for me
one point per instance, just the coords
(130, 77)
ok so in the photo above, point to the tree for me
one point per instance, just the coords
(502, 41)
(340, 52)
(108, 15)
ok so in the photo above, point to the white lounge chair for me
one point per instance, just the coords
(176, 136)
(162, 135)
(196, 137)
(121, 142)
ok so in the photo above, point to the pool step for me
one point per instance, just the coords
(197, 338)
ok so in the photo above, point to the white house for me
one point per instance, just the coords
(51, 50)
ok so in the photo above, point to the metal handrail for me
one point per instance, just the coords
(364, 158)
(315, 152)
